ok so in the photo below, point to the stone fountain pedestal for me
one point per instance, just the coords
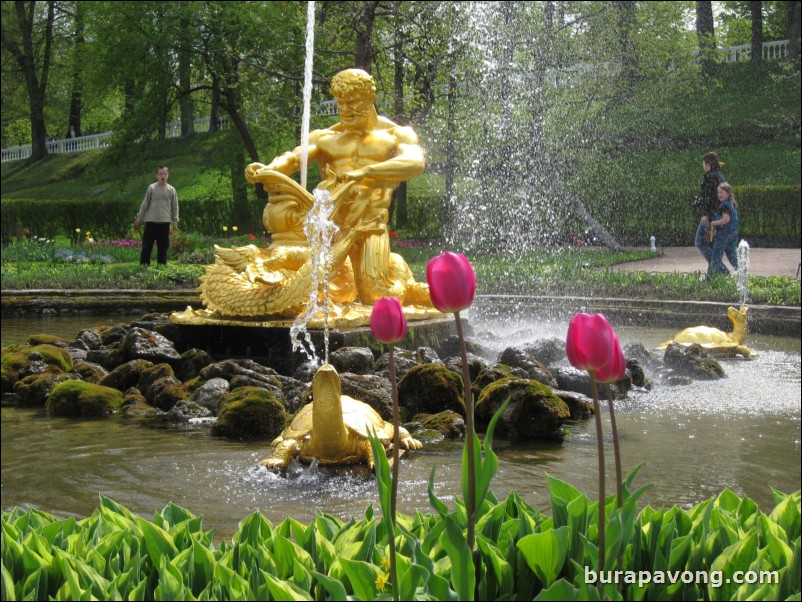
(269, 341)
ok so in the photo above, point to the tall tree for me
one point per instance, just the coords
(756, 8)
(29, 39)
(706, 34)
(185, 54)
(627, 24)
(363, 27)
(79, 49)
(793, 30)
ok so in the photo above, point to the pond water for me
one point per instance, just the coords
(742, 432)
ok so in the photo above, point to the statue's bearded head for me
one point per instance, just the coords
(355, 93)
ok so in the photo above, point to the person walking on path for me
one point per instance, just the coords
(725, 240)
(707, 201)
(159, 210)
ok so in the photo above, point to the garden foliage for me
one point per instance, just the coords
(522, 553)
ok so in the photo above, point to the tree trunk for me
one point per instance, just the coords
(76, 102)
(239, 194)
(756, 8)
(26, 55)
(399, 204)
(626, 23)
(793, 30)
(706, 34)
(363, 55)
(214, 116)
(185, 79)
(231, 107)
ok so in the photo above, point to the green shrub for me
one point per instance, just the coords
(521, 553)
(769, 216)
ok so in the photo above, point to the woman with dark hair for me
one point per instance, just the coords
(707, 202)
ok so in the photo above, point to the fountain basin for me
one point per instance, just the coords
(763, 319)
(270, 343)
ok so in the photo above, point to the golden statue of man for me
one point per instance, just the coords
(373, 153)
(362, 158)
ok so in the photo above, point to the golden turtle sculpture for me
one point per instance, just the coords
(714, 341)
(333, 428)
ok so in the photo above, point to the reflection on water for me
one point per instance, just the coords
(742, 432)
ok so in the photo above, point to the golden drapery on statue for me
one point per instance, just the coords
(362, 160)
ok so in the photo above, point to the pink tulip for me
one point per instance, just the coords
(590, 342)
(387, 320)
(616, 368)
(452, 283)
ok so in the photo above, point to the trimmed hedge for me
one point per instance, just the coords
(109, 220)
(769, 216)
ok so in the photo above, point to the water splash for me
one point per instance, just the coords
(307, 90)
(320, 232)
(742, 275)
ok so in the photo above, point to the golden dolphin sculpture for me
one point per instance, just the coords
(277, 281)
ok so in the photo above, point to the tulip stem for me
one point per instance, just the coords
(619, 489)
(396, 434)
(600, 454)
(470, 503)
(396, 462)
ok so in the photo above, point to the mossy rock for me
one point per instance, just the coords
(90, 372)
(78, 398)
(431, 388)
(534, 411)
(12, 362)
(49, 339)
(34, 390)
(250, 413)
(55, 356)
(448, 423)
(692, 361)
(166, 392)
(135, 406)
(126, 375)
(16, 358)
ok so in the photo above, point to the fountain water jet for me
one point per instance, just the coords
(742, 275)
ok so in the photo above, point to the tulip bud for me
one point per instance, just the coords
(387, 320)
(616, 368)
(590, 342)
(452, 283)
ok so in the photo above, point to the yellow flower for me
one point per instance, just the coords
(225, 228)
(381, 581)
(88, 233)
(234, 228)
(386, 564)
(78, 230)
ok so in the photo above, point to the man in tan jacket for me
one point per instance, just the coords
(159, 210)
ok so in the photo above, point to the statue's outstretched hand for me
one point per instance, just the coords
(252, 172)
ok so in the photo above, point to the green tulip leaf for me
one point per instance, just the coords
(545, 553)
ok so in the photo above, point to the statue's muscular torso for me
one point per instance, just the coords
(346, 152)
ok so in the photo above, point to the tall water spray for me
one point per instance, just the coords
(307, 90)
(319, 229)
(503, 195)
(742, 276)
(320, 232)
